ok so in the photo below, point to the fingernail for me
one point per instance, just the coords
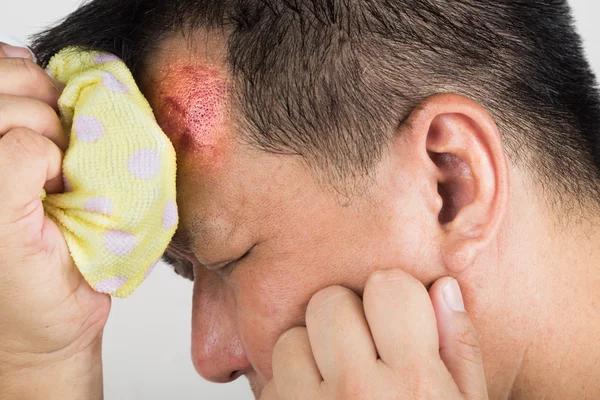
(453, 296)
(52, 80)
(17, 52)
(56, 84)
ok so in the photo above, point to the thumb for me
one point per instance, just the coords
(459, 344)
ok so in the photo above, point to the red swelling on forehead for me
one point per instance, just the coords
(193, 109)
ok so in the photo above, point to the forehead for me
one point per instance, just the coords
(186, 69)
(188, 86)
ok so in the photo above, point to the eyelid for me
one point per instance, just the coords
(226, 264)
(215, 267)
(188, 256)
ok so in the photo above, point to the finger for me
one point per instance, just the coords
(14, 51)
(459, 344)
(22, 77)
(295, 371)
(28, 162)
(269, 392)
(33, 114)
(338, 332)
(402, 321)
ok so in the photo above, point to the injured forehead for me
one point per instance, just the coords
(189, 92)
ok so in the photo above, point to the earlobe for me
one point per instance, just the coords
(463, 142)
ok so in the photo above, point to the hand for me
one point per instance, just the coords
(48, 313)
(387, 346)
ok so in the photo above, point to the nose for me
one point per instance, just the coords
(217, 352)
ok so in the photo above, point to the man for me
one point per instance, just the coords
(320, 141)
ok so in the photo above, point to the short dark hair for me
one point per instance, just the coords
(332, 80)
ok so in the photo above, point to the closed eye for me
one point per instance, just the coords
(225, 269)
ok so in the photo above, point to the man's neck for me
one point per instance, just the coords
(536, 302)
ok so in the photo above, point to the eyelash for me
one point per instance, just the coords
(185, 268)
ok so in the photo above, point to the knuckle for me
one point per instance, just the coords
(384, 275)
(422, 386)
(26, 66)
(21, 143)
(46, 113)
(40, 114)
(327, 298)
(468, 347)
(387, 276)
(28, 73)
(395, 280)
(290, 338)
(286, 347)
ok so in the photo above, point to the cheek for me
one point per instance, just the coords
(268, 305)
(271, 298)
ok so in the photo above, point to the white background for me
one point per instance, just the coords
(147, 340)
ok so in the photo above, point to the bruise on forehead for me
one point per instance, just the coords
(192, 107)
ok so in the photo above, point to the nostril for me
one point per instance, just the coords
(234, 375)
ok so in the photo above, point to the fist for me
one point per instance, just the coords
(47, 310)
(399, 342)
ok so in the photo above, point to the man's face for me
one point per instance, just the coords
(265, 235)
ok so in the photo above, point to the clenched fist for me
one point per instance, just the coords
(51, 321)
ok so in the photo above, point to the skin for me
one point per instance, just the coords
(529, 273)
(312, 362)
(350, 348)
(193, 109)
(52, 320)
(264, 236)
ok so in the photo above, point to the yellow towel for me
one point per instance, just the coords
(118, 212)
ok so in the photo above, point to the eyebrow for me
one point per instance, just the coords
(182, 240)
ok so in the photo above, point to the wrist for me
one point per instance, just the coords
(67, 378)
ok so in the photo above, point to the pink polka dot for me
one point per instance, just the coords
(144, 163)
(67, 183)
(88, 129)
(169, 218)
(105, 57)
(110, 285)
(113, 83)
(119, 242)
(151, 268)
(100, 205)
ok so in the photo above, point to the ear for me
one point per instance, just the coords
(466, 152)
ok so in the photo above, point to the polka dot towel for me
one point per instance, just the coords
(118, 212)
